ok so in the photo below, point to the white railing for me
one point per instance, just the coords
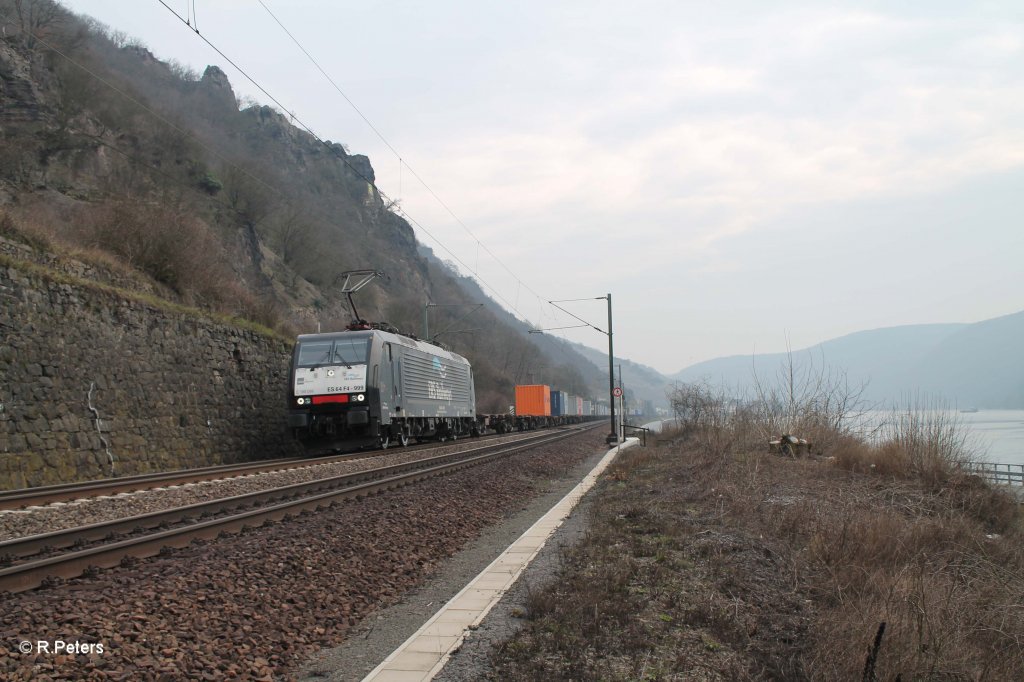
(1012, 474)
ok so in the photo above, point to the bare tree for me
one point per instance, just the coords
(36, 19)
(706, 415)
(247, 195)
(812, 400)
(291, 234)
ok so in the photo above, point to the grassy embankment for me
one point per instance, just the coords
(709, 558)
(231, 306)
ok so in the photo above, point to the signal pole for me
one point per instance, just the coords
(613, 437)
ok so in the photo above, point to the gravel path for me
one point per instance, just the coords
(258, 604)
(63, 515)
(379, 635)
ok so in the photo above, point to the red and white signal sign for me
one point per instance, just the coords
(617, 392)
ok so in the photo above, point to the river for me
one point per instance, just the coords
(992, 435)
(999, 433)
(995, 435)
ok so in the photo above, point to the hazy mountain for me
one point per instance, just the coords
(641, 381)
(970, 365)
(982, 365)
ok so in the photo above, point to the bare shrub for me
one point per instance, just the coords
(235, 300)
(810, 400)
(166, 242)
(922, 559)
(787, 565)
(857, 455)
(929, 437)
(806, 400)
(33, 233)
(975, 497)
(162, 240)
(922, 439)
(931, 554)
(19, 157)
(36, 20)
(709, 417)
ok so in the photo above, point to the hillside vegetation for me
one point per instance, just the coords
(112, 157)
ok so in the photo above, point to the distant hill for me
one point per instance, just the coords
(972, 365)
(641, 381)
(982, 365)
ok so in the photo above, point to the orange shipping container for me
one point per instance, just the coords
(533, 401)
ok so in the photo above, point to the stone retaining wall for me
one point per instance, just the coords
(86, 369)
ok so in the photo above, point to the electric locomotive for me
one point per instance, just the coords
(368, 386)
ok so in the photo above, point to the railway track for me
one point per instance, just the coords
(195, 523)
(32, 497)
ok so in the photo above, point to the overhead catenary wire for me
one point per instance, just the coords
(344, 160)
(521, 284)
(149, 110)
(394, 151)
(330, 80)
(136, 159)
(5, 22)
(228, 162)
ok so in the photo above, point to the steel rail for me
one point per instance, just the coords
(28, 575)
(26, 497)
(70, 537)
(23, 497)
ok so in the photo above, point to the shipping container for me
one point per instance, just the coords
(560, 404)
(579, 406)
(588, 407)
(533, 401)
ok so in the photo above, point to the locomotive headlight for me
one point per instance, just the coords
(360, 397)
(301, 401)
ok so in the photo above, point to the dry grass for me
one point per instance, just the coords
(166, 242)
(710, 564)
(154, 250)
(159, 303)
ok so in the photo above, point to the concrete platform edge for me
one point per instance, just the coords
(401, 664)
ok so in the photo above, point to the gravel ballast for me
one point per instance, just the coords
(257, 605)
(64, 515)
(385, 631)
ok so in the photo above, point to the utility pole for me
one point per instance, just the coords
(613, 437)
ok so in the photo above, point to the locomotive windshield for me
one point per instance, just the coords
(333, 352)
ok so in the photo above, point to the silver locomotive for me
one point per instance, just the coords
(372, 387)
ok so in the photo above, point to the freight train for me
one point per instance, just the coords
(370, 386)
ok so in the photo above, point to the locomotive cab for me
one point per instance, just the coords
(330, 398)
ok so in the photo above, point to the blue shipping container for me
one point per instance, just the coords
(557, 407)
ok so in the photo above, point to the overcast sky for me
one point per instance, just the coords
(736, 174)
